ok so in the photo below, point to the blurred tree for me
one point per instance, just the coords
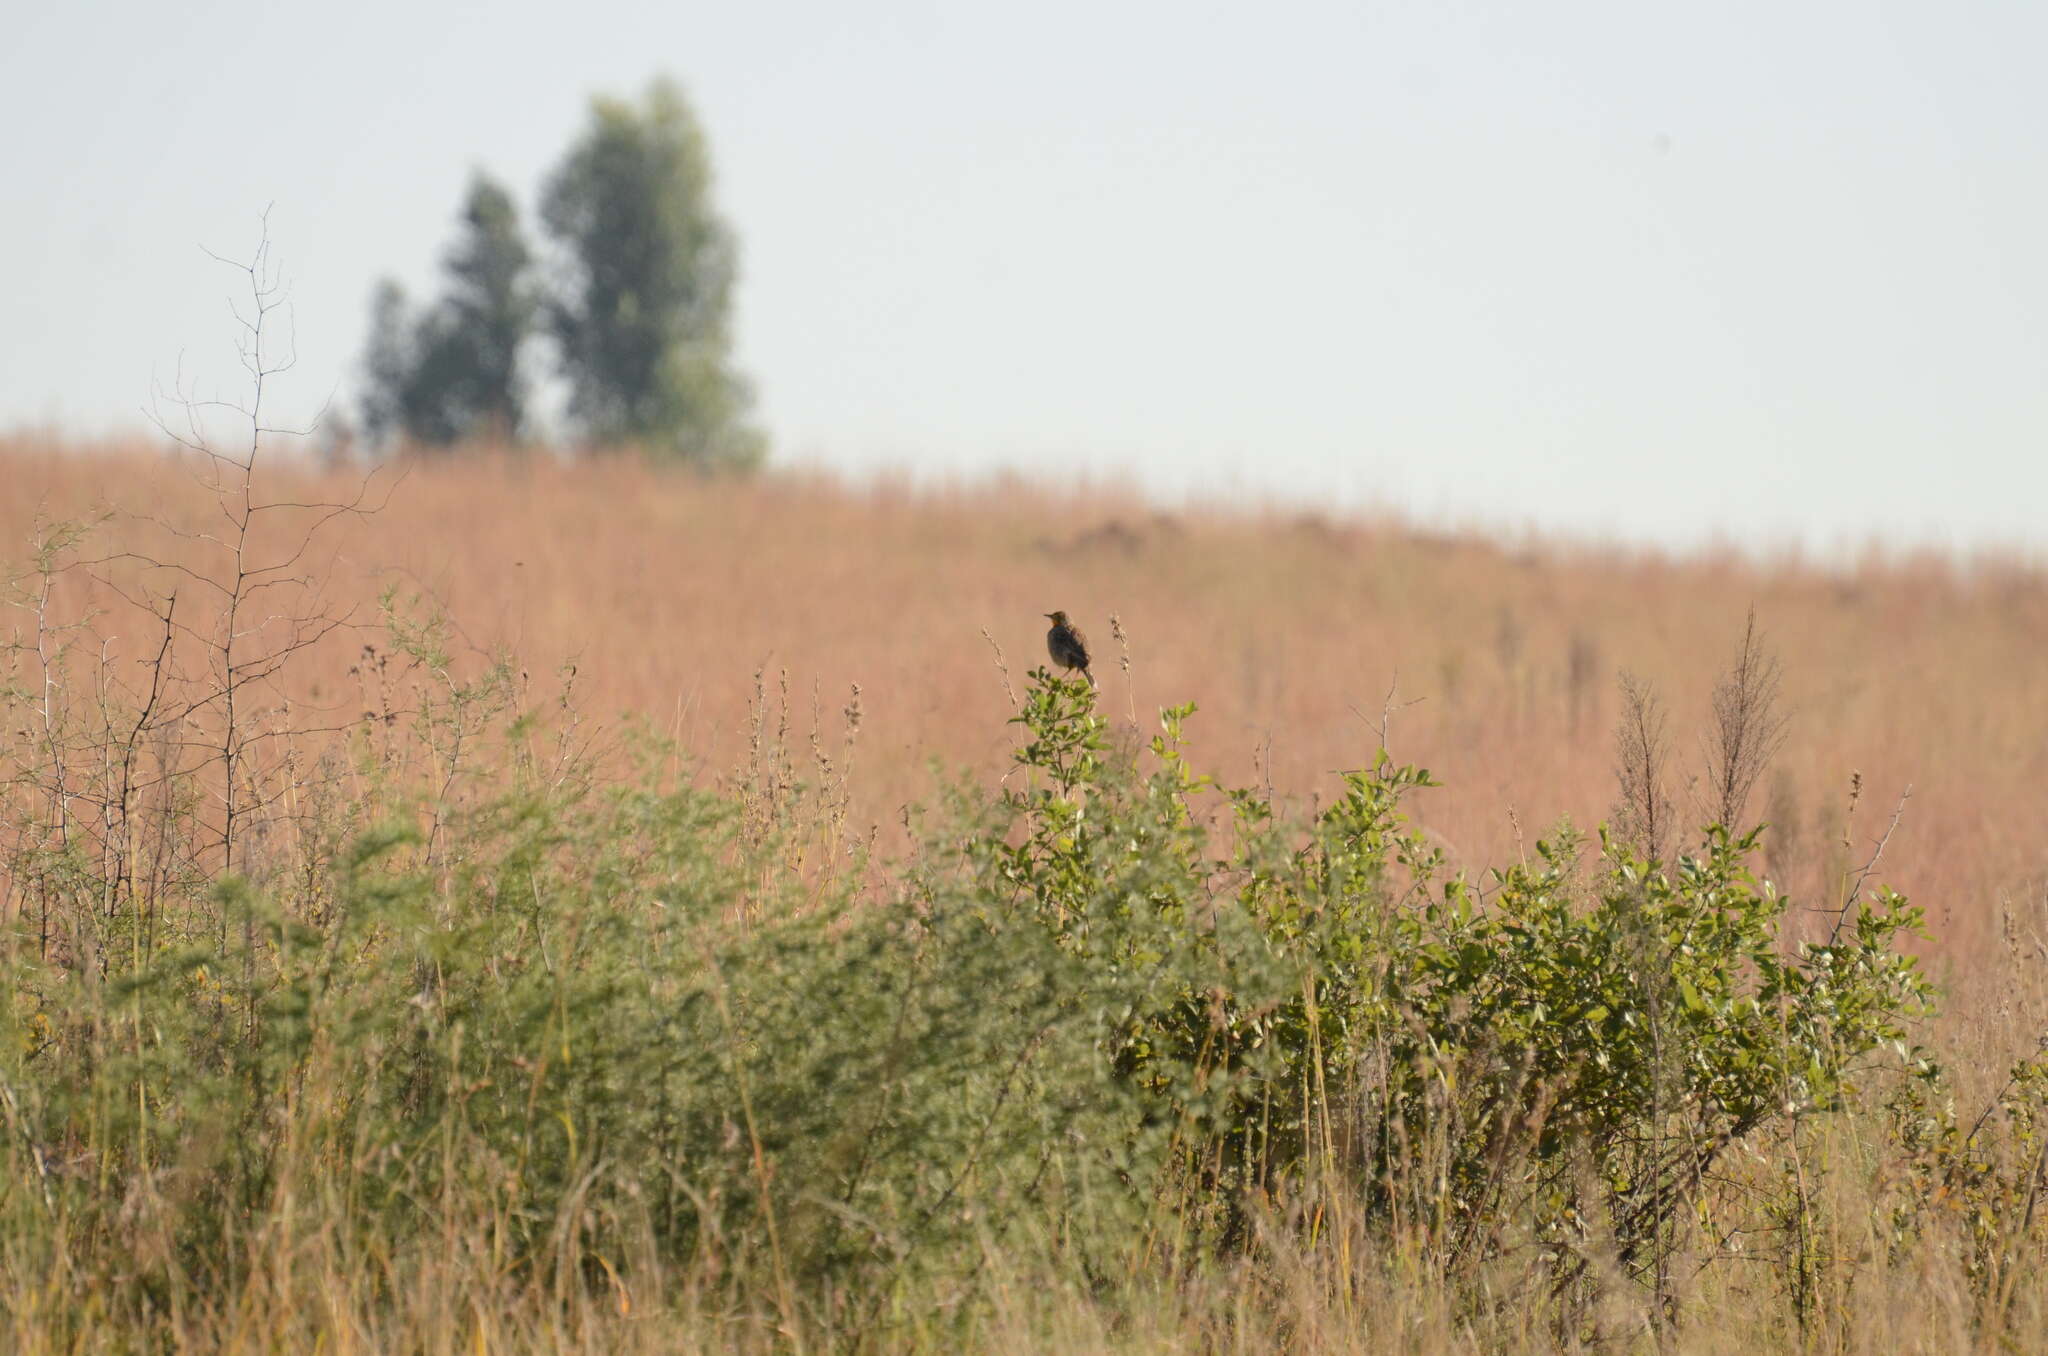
(453, 374)
(387, 364)
(642, 314)
(487, 313)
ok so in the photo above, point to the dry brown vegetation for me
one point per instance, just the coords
(873, 640)
(673, 597)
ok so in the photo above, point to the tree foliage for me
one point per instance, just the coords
(453, 374)
(642, 309)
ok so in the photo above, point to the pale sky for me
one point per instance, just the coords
(1766, 271)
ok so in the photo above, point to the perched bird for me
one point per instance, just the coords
(1067, 646)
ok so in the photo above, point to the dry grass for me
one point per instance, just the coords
(726, 610)
(670, 594)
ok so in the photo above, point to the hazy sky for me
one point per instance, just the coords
(1662, 272)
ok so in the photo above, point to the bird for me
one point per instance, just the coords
(1067, 646)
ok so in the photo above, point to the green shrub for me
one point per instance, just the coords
(1320, 1004)
(561, 1028)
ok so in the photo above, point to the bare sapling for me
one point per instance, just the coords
(1642, 748)
(153, 672)
(1747, 729)
(257, 573)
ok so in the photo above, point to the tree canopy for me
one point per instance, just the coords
(453, 373)
(642, 309)
(637, 299)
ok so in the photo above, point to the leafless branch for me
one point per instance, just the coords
(1854, 891)
(1642, 810)
(1748, 729)
(1388, 706)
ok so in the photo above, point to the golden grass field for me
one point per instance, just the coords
(721, 611)
(673, 596)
